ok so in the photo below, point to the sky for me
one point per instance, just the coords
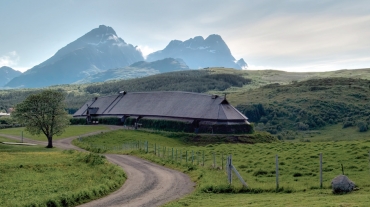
(289, 35)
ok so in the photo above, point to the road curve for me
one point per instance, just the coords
(148, 184)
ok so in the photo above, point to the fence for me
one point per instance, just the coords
(214, 160)
(176, 155)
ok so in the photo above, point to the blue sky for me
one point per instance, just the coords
(291, 35)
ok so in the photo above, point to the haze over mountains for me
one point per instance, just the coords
(101, 55)
(7, 74)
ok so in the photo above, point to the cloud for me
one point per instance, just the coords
(146, 50)
(10, 59)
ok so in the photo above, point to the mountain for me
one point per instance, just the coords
(6, 74)
(138, 69)
(242, 64)
(98, 50)
(198, 52)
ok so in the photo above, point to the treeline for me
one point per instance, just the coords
(306, 105)
(192, 81)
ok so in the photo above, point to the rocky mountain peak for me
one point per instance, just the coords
(198, 52)
(243, 65)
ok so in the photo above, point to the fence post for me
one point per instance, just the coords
(320, 170)
(203, 157)
(155, 148)
(172, 153)
(198, 157)
(214, 160)
(222, 161)
(192, 157)
(180, 156)
(229, 169)
(277, 172)
(176, 156)
(186, 157)
(147, 147)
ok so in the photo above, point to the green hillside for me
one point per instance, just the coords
(307, 105)
(289, 105)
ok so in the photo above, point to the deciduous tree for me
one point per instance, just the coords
(43, 112)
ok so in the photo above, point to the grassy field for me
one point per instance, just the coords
(298, 167)
(36, 176)
(71, 131)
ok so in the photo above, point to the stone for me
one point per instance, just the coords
(342, 184)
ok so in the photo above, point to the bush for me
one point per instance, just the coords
(362, 126)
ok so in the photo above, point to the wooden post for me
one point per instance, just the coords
(22, 136)
(203, 157)
(172, 153)
(222, 161)
(155, 148)
(229, 169)
(214, 160)
(320, 170)
(176, 156)
(186, 157)
(277, 172)
(147, 147)
(192, 157)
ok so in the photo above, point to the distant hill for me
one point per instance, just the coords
(138, 69)
(6, 74)
(198, 53)
(98, 50)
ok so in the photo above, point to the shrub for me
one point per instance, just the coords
(362, 126)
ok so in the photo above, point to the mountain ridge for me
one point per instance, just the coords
(98, 50)
(198, 52)
(7, 74)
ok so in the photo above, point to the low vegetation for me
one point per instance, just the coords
(37, 176)
(291, 110)
(298, 163)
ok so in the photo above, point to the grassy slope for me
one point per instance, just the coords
(315, 103)
(33, 175)
(70, 132)
(299, 169)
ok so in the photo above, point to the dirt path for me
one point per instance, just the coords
(148, 184)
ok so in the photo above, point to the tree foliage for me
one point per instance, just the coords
(44, 113)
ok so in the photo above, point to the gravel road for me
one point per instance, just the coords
(148, 184)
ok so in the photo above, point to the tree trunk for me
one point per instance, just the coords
(50, 142)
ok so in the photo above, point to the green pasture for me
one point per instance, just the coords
(334, 133)
(36, 176)
(74, 130)
(298, 167)
(314, 198)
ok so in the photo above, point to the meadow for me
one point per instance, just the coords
(37, 176)
(69, 132)
(298, 168)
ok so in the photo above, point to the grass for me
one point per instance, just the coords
(335, 133)
(36, 176)
(312, 198)
(298, 167)
(70, 131)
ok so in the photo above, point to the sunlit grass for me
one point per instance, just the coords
(298, 169)
(70, 131)
(37, 176)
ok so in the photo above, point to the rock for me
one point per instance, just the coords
(342, 184)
